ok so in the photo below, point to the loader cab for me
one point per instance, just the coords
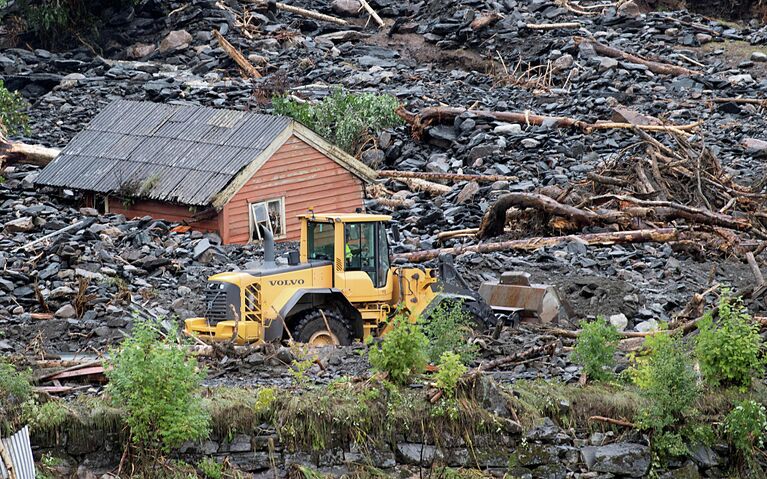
(358, 247)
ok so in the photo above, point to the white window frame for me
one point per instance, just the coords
(252, 222)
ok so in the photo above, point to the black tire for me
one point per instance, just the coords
(312, 324)
(481, 314)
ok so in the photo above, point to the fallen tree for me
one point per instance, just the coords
(15, 152)
(653, 66)
(448, 114)
(660, 235)
(455, 177)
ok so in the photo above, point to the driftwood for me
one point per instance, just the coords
(546, 350)
(660, 235)
(418, 184)
(15, 152)
(655, 67)
(427, 175)
(237, 56)
(372, 13)
(447, 115)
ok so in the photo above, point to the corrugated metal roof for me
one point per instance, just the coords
(20, 451)
(186, 153)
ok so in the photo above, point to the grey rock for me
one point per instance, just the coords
(705, 457)
(415, 454)
(620, 321)
(19, 225)
(508, 129)
(537, 454)
(647, 326)
(759, 57)
(346, 7)
(175, 40)
(546, 431)
(67, 311)
(626, 459)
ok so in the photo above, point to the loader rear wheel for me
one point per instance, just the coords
(313, 329)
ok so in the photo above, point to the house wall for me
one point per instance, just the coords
(305, 178)
(165, 211)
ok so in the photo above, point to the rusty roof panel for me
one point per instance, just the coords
(193, 151)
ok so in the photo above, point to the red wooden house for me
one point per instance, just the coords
(213, 169)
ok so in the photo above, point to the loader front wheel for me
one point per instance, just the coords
(323, 328)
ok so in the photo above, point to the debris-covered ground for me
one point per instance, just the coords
(699, 172)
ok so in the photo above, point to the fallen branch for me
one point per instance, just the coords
(655, 67)
(553, 26)
(609, 420)
(311, 14)
(535, 352)
(660, 235)
(237, 56)
(689, 213)
(372, 13)
(748, 101)
(427, 175)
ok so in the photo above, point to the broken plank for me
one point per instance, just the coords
(77, 373)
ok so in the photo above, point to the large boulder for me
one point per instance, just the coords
(625, 459)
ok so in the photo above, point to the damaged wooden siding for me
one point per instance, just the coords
(197, 219)
(305, 178)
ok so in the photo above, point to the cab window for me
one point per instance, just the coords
(365, 249)
(320, 240)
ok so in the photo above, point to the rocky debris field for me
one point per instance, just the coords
(71, 293)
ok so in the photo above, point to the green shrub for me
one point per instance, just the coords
(210, 468)
(668, 382)
(448, 328)
(595, 348)
(402, 352)
(46, 416)
(158, 387)
(348, 120)
(13, 118)
(15, 391)
(450, 371)
(729, 352)
(746, 425)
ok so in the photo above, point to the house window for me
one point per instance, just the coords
(101, 203)
(268, 214)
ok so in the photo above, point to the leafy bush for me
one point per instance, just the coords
(450, 371)
(448, 328)
(345, 119)
(13, 118)
(46, 416)
(595, 348)
(15, 390)
(729, 352)
(158, 387)
(746, 425)
(667, 380)
(402, 353)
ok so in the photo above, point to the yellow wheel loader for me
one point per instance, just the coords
(340, 287)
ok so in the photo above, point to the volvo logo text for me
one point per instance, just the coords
(286, 282)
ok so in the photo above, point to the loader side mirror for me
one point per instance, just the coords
(395, 233)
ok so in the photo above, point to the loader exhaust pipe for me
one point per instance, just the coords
(268, 246)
